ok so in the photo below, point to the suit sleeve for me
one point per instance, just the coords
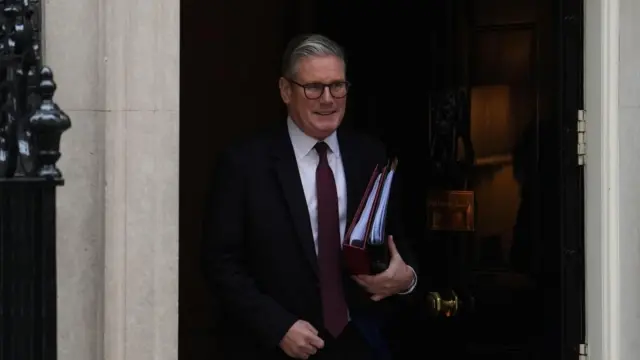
(224, 257)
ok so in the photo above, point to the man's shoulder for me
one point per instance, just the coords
(253, 144)
(365, 143)
(369, 141)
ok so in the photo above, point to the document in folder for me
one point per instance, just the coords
(364, 248)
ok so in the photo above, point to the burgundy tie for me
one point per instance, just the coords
(334, 306)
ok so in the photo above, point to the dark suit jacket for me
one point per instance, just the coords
(259, 251)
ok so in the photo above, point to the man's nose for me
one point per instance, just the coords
(326, 95)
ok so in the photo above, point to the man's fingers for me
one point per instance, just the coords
(311, 346)
(310, 328)
(309, 350)
(316, 342)
(361, 279)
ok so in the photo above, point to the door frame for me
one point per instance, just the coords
(602, 175)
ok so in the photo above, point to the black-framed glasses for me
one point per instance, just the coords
(313, 91)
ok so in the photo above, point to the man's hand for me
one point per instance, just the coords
(301, 341)
(397, 278)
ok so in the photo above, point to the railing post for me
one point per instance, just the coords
(31, 125)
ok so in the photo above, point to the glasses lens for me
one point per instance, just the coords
(313, 91)
(339, 89)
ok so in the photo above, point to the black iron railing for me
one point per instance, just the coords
(31, 125)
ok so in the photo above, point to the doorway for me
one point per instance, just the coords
(478, 98)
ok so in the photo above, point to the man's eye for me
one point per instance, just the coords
(315, 87)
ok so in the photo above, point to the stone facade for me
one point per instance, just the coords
(116, 63)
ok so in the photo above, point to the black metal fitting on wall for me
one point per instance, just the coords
(31, 126)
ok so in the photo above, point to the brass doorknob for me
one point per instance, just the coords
(445, 305)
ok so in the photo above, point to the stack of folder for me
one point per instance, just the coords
(365, 249)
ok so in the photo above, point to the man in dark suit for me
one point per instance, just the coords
(280, 205)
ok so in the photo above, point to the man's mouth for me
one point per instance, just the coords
(325, 113)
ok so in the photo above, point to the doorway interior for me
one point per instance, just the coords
(471, 95)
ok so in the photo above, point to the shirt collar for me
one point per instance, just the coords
(303, 143)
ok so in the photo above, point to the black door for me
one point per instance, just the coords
(479, 99)
(573, 330)
(476, 97)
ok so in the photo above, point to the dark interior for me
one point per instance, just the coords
(477, 96)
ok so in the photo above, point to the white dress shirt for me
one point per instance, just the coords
(308, 159)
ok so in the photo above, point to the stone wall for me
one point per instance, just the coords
(116, 63)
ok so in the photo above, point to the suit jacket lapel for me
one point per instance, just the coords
(352, 173)
(289, 177)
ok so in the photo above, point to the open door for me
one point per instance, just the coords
(479, 99)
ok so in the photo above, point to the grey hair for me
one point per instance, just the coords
(305, 46)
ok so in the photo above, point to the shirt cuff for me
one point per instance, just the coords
(414, 282)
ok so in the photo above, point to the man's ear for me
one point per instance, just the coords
(285, 90)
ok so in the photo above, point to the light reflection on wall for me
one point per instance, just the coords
(493, 135)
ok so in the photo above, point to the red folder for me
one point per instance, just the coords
(357, 258)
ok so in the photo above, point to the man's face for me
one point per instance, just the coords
(318, 113)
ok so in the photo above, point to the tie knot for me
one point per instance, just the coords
(322, 147)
